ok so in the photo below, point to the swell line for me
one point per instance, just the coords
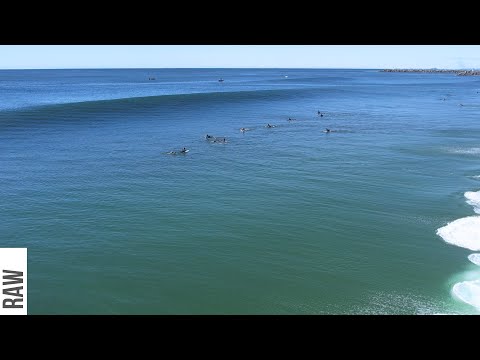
(155, 100)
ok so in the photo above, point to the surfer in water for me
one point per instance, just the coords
(327, 130)
(184, 150)
(269, 126)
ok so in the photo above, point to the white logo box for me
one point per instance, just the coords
(13, 282)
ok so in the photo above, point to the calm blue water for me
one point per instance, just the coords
(286, 220)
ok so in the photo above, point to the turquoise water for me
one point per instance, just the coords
(286, 220)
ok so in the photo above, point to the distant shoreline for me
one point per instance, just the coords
(434, 71)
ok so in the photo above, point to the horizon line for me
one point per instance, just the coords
(258, 68)
(185, 67)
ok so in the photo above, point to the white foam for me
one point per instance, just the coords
(473, 198)
(382, 303)
(474, 258)
(469, 151)
(468, 292)
(464, 232)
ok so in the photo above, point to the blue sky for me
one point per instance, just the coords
(276, 56)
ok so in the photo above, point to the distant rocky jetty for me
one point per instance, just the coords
(431, 71)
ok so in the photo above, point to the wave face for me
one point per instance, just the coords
(174, 99)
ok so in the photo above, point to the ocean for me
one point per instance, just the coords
(381, 215)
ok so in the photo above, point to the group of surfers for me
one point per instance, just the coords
(224, 140)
